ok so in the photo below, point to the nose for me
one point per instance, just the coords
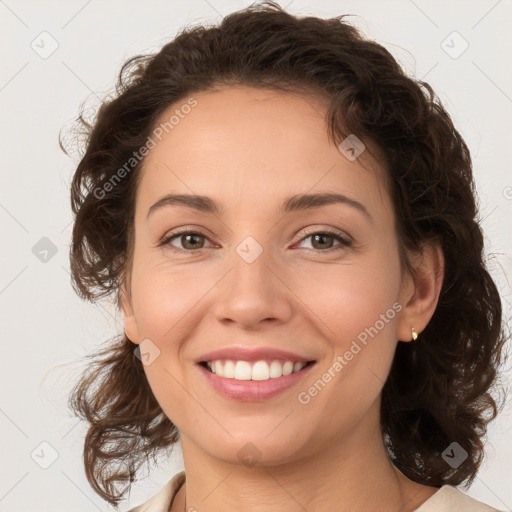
(253, 293)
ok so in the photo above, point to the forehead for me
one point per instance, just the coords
(247, 143)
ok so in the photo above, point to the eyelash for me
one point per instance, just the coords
(344, 240)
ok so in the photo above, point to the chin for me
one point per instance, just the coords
(257, 450)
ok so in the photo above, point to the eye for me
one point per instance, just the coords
(190, 240)
(323, 240)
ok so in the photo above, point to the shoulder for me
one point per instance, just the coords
(450, 499)
(161, 501)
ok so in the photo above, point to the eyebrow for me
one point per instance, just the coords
(294, 203)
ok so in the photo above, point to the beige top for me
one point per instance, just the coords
(447, 499)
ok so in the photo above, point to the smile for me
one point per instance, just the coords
(253, 381)
(257, 370)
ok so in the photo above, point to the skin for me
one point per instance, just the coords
(249, 149)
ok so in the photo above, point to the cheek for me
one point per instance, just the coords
(358, 304)
(165, 298)
(166, 303)
(349, 298)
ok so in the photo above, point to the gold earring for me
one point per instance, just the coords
(414, 334)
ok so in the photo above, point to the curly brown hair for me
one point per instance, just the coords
(438, 389)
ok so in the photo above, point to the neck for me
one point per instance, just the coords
(348, 475)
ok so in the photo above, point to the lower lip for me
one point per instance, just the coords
(253, 390)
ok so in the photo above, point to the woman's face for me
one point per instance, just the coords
(268, 272)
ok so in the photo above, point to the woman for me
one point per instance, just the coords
(287, 223)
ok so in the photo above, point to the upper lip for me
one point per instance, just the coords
(252, 354)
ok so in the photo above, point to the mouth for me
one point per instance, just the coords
(253, 381)
(261, 370)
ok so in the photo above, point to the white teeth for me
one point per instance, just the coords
(242, 370)
(288, 368)
(260, 370)
(229, 370)
(298, 366)
(276, 369)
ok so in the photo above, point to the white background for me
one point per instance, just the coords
(46, 329)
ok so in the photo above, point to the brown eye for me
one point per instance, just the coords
(190, 241)
(323, 241)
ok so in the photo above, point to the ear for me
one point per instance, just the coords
(130, 324)
(420, 291)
